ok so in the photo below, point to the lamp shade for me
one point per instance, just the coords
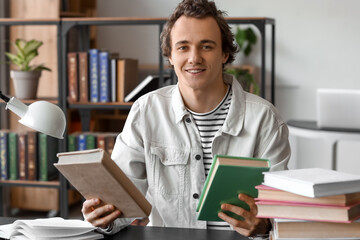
(41, 116)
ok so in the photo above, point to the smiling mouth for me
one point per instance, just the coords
(195, 70)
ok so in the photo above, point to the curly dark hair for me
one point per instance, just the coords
(200, 9)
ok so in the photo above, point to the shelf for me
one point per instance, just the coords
(48, 184)
(112, 105)
(34, 21)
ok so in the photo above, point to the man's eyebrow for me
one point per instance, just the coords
(202, 41)
(208, 41)
(181, 42)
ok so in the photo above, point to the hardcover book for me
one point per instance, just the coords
(267, 193)
(228, 177)
(127, 77)
(104, 71)
(73, 77)
(94, 74)
(4, 154)
(313, 182)
(22, 154)
(13, 156)
(296, 229)
(48, 148)
(325, 213)
(112, 185)
(83, 76)
(150, 83)
(32, 155)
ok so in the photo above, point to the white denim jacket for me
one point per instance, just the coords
(160, 149)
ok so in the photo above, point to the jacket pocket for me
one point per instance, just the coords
(169, 169)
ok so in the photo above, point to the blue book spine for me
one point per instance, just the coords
(82, 142)
(104, 84)
(94, 74)
(4, 155)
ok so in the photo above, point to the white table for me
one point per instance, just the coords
(308, 129)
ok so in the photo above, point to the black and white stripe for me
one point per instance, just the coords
(208, 124)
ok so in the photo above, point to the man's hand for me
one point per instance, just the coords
(99, 215)
(251, 225)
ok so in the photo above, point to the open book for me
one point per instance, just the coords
(229, 176)
(95, 175)
(49, 228)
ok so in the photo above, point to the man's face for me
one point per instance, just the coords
(196, 53)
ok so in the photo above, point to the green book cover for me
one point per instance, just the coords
(229, 176)
(90, 141)
(72, 142)
(48, 148)
(13, 156)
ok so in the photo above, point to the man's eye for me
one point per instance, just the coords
(182, 48)
(207, 47)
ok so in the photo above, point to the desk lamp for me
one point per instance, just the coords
(41, 116)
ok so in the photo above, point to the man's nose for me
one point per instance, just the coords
(195, 57)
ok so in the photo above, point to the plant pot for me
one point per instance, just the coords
(25, 83)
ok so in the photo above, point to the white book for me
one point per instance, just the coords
(150, 83)
(49, 228)
(313, 182)
(113, 75)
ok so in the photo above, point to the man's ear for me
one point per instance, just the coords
(225, 57)
(170, 61)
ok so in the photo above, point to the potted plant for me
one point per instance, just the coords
(26, 78)
(245, 38)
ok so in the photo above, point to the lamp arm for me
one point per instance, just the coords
(3, 97)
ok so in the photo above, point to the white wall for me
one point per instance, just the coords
(317, 44)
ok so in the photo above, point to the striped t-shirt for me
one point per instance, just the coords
(208, 124)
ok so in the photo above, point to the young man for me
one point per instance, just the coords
(170, 136)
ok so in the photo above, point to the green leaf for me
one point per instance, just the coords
(32, 46)
(40, 67)
(240, 37)
(251, 36)
(247, 50)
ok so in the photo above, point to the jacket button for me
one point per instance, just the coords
(198, 157)
(188, 120)
(195, 196)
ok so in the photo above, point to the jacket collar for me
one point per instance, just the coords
(235, 118)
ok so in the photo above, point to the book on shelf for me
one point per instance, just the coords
(104, 76)
(292, 210)
(301, 229)
(313, 182)
(73, 83)
(150, 83)
(22, 154)
(49, 228)
(13, 156)
(94, 74)
(112, 185)
(4, 154)
(267, 193)
(127, 77)
(228, 177)
(32, 155)
(47, 148)
(83, 76)
(72, 142)
(113, 77)
(81, 141)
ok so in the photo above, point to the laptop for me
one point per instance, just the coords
(338, 108)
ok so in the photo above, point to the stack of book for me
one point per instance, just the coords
(311, 203)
